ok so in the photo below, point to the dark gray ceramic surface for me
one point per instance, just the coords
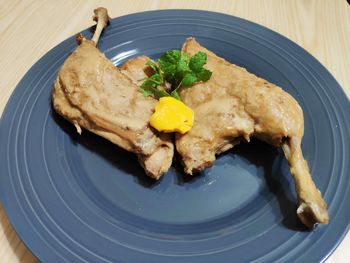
(79, 198)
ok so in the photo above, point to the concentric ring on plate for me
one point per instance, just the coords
(63, 200)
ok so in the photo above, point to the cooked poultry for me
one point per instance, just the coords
(92, 93)
(235, 105)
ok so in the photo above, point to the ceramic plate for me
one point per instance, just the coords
(79, 198)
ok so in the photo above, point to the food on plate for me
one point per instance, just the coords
(235, 105)
(210, 108)
(176, 68)
(92, 93)
(172, 115)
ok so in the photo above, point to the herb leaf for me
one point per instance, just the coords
(154, 66)
(146, 92)
(154, 92)
(204, 75)
(189, 79)
(175, 94)
(182, 67)
(177, 68)
(152, 81)
(174, 64)
(159, 93)
(149, 86)
(198, 61)
(171, 56)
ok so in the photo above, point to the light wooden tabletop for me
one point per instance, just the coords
(28, 29)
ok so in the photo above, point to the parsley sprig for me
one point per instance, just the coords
(178, 69)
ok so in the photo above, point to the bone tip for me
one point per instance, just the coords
(101, 14)
(152, 173)
(79, 38)
(311, 216)
(190, 39)
(77, 127)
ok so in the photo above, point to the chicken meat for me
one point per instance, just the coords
(235, 105)
(92, 93)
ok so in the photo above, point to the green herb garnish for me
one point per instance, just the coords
(178, 69)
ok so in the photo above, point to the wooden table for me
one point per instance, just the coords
(28, 29)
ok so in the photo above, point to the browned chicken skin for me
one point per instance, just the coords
(92, 93)
(235, 105)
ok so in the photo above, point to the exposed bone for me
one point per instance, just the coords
(102, 19)
(95, 95)
(236, 104)
(312, 208)
(79, 38)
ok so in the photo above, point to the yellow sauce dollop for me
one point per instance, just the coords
(172, 115)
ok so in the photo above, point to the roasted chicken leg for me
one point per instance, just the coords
(92, 93)
(235, 105)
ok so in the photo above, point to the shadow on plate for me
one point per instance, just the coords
(118, 157)
(264, 155)
(256, 152)
(185, 179)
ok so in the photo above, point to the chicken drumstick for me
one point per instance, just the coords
(92, 93)
(234, 105)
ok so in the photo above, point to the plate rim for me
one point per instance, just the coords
(12, 98)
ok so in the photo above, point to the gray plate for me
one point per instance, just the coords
(79, 198)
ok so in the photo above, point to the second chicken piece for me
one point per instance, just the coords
(235, 105)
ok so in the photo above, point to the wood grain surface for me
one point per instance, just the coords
(29, 29)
